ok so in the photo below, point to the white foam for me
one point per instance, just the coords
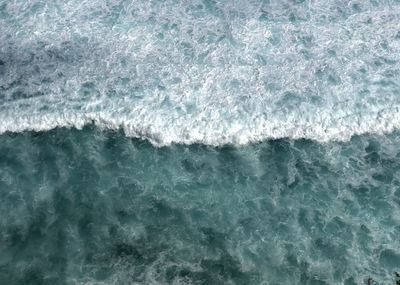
(177, 73)
(160, 131)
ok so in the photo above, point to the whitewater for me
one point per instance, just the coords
(199, 142)
(226, 72)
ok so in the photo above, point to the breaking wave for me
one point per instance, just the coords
(227, 72)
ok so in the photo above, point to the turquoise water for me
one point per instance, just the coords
(199, 142)
(94, 207)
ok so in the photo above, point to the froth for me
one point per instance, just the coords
(161, 132)
(202, 72)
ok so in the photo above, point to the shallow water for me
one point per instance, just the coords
(94, 207)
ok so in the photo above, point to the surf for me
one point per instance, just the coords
(200, 71)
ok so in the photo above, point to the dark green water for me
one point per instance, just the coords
(95, 207)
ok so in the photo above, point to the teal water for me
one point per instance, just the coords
(199, 141)
(95, 207)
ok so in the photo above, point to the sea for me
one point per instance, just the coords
(199, 142)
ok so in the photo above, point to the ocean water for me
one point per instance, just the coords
(199, 141)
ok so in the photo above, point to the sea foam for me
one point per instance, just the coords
(226, 72)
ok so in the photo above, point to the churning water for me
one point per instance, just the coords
(199, 142)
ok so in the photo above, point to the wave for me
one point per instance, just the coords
(227, 72)
(161, 132)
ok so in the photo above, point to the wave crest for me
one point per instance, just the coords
(161, 132)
